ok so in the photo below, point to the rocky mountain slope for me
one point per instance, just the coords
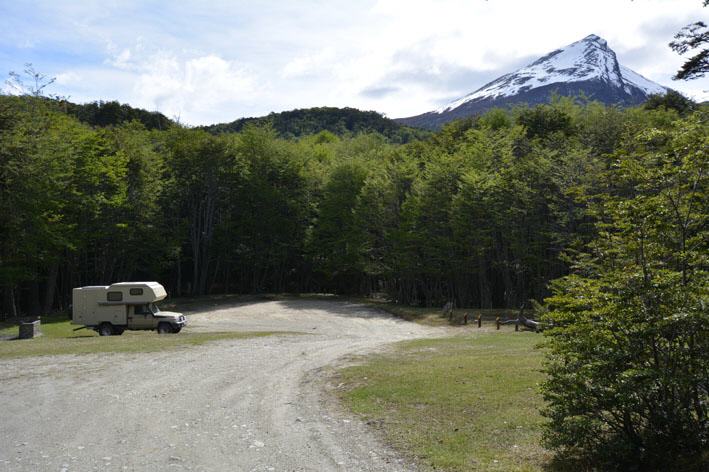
(587, 67)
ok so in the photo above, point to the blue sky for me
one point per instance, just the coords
(207, 62)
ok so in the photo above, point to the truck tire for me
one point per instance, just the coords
(176, 329)
(164, 328)
(105, 329)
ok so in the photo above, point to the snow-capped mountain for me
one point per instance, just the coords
(587, 67)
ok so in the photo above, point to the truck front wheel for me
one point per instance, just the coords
(164, 328)
(105, 329)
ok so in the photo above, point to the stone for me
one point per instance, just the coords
(29, 329)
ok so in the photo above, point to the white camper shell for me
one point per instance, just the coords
(126, 305)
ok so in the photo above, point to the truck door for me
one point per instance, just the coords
(140, 317)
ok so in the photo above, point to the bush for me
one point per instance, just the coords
(628, 357)
(672, 100)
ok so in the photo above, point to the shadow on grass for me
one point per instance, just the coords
(567, 464)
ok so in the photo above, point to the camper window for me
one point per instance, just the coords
(142, 310)
(114, 296)
(136, 291)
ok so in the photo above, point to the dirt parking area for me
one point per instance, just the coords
(252, 404)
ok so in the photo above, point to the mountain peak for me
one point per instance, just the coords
(588, 66)
(594, 38)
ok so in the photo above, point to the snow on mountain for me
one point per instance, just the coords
(632, 78)
(589, 59)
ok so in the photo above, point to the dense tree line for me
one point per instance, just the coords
(114, 113)
(485, 212)
(339, 121)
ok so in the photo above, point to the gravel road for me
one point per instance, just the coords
(239, 405)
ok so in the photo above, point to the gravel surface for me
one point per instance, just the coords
(239, 405)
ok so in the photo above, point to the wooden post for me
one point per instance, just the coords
(497, 321)
(465, 319)
(480, 321)
(516, 326)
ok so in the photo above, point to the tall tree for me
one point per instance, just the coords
(693, 37)
(628, 362)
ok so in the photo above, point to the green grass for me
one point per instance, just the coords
(59, 337)
(462, 403)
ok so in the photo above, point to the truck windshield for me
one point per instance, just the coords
(154, 309)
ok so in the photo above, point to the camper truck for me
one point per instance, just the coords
(112, 309)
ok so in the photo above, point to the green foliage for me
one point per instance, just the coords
(496, 119)
(96, 114)
(337, 238)
(691, 37)
(543, 120)
(339, 121)
(628, 362)
(671, 100)
(113, 113)
(485, 213)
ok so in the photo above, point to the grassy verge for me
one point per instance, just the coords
(59, 337)
(462, 403)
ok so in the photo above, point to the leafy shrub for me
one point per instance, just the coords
(628, 358)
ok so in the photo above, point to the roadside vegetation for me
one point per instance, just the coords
(463, 403)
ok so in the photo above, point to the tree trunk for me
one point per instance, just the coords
(179, 274)
(484, 284)
(12, 306)
(50, 288)
(33, 307)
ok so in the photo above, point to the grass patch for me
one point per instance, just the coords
(462, 403)
(58, 337)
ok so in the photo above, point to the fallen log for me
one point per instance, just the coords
(522, 320)
(531, 324)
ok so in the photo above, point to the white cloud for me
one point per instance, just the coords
(68, 78)
(122, 60)
(309, 64)
(400, 57)
(193, 89)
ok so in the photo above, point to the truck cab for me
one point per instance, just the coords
(110, 310)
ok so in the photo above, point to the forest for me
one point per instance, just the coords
(485, 212)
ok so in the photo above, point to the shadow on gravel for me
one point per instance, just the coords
(333, 305)
(195, 306)
(330, 303)
(340, 308)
